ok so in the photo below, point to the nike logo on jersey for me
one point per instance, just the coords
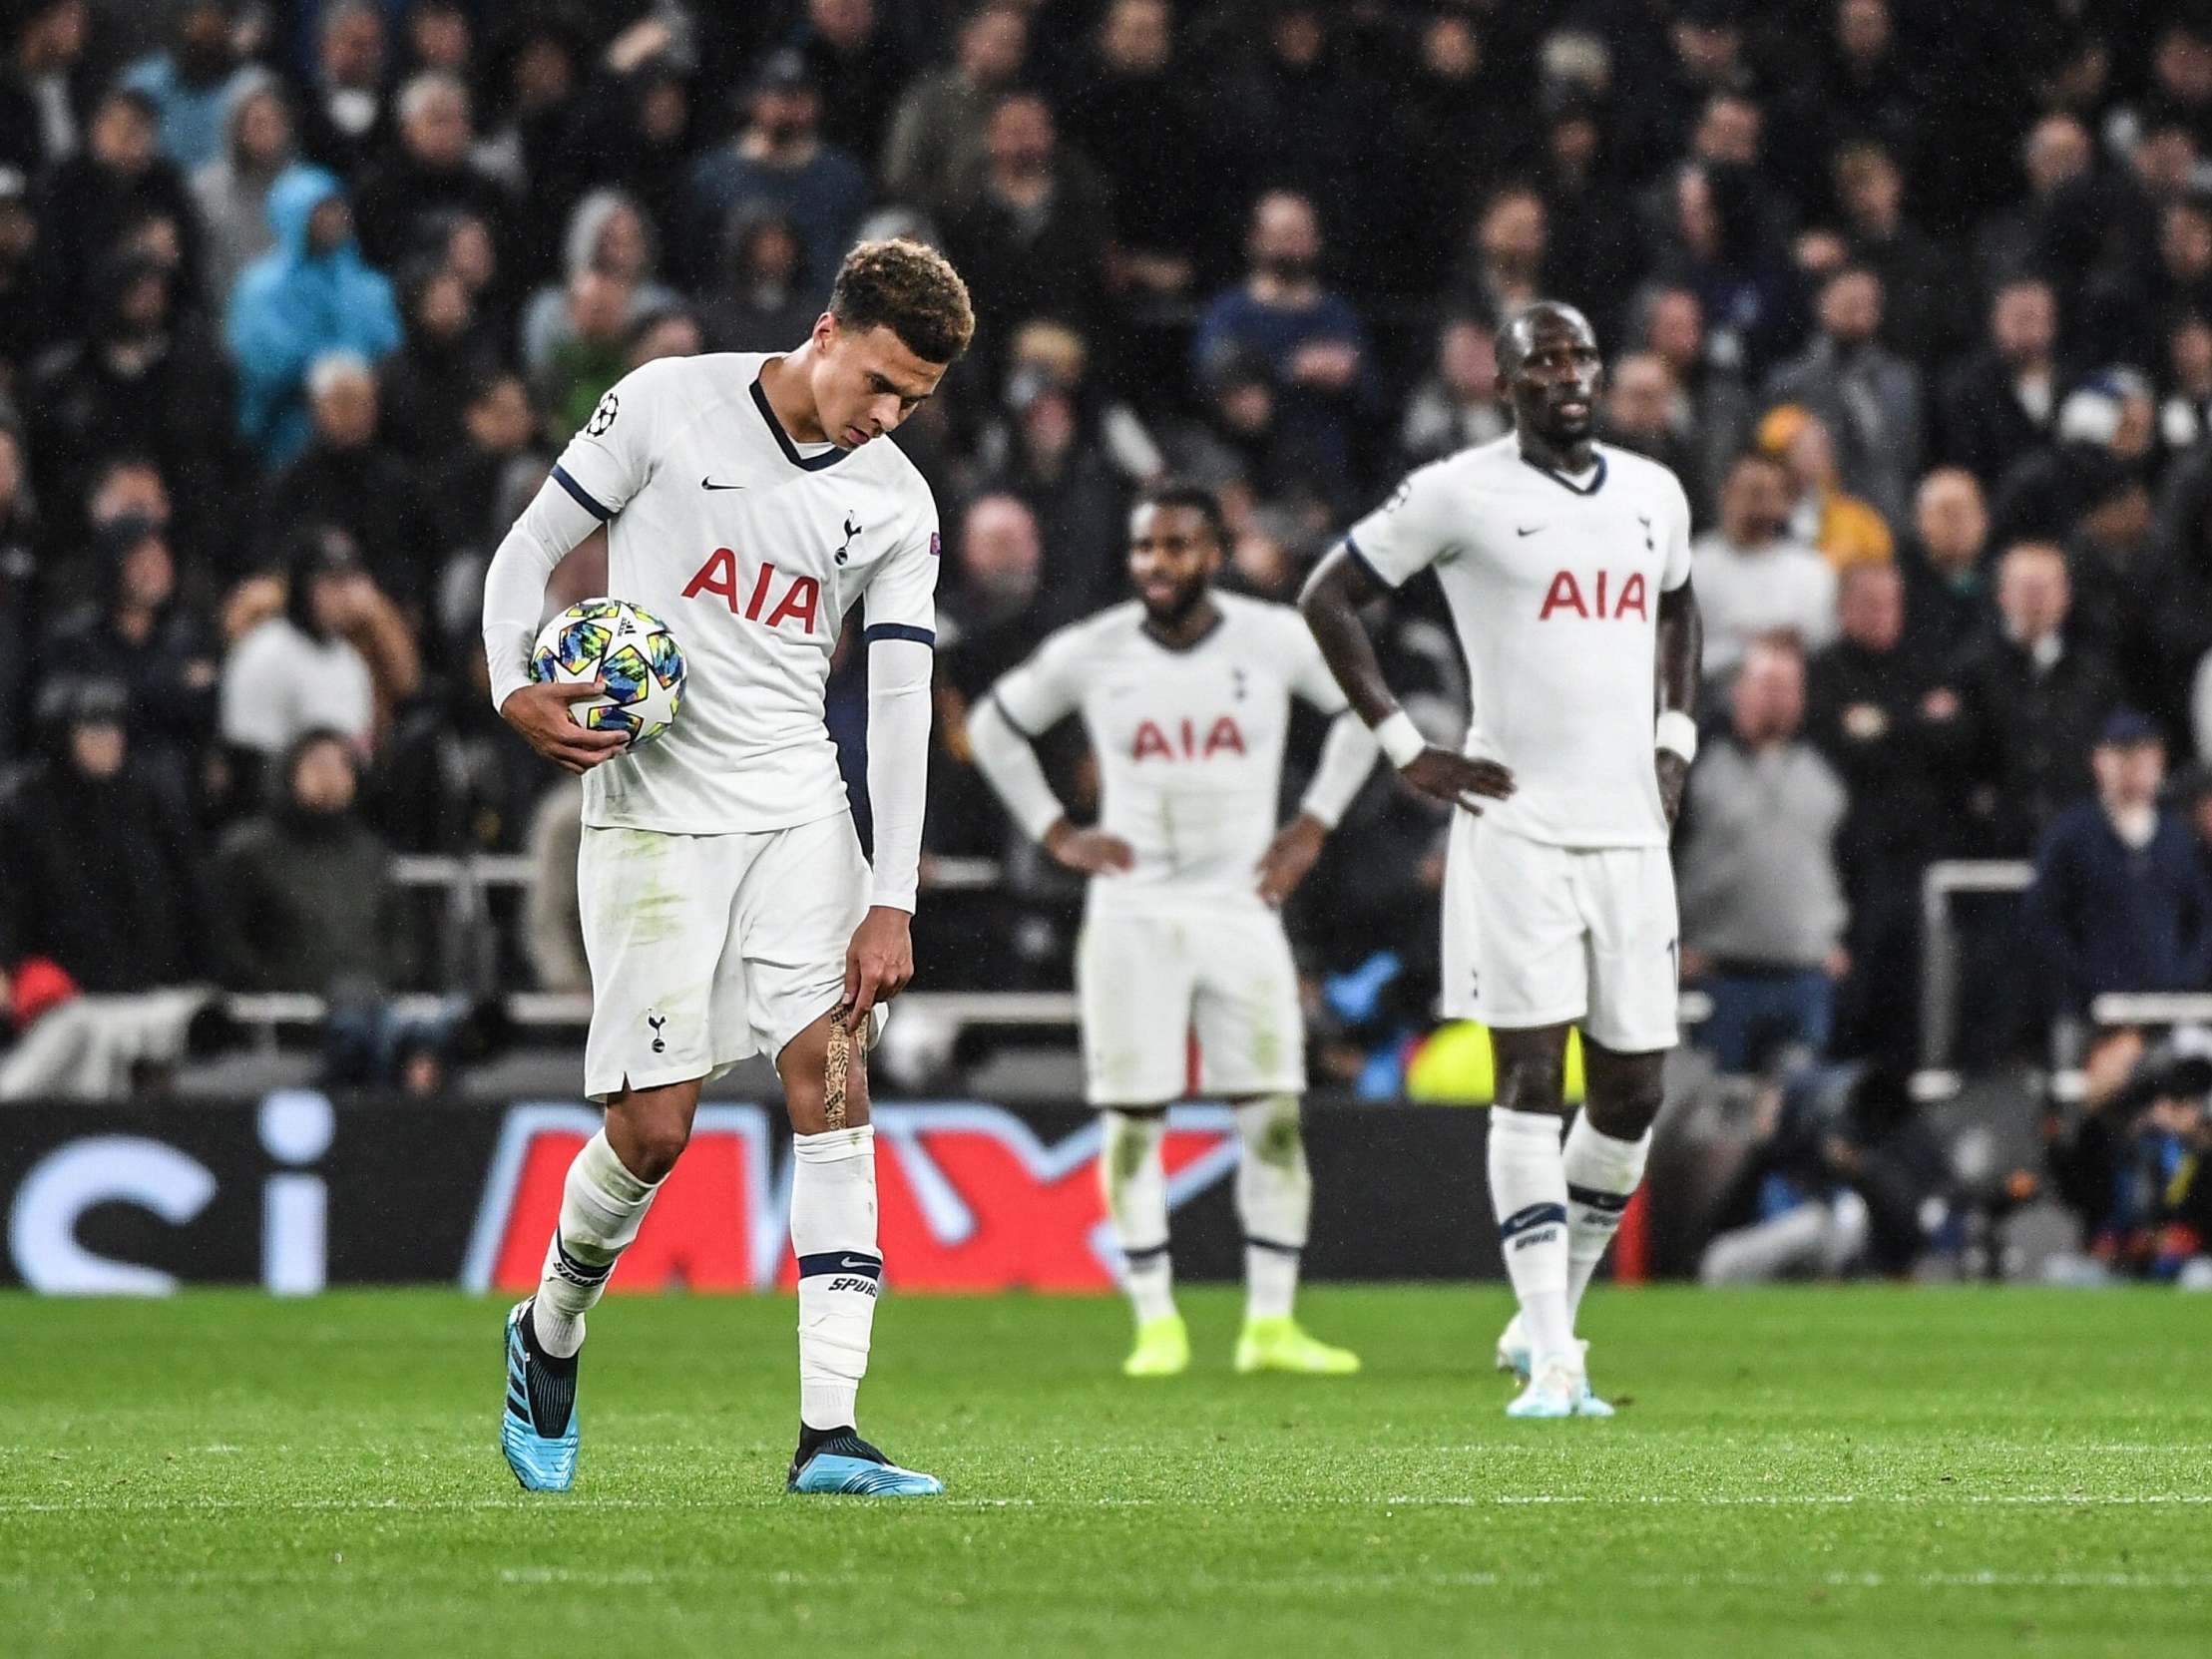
(1531, 530)
(709, 484)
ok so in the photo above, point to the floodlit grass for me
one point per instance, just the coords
(1793, 1471)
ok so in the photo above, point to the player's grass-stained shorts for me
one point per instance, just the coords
(1537, 935)
(706, 949)
(1151, 983)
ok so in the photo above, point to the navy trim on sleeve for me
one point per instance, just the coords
(1364, 563)
(899, 630)
(1006, 715)
(581, 495)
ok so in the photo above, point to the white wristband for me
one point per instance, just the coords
(1678, 733)
(1400, 738)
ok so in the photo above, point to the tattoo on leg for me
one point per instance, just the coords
(844, 1043)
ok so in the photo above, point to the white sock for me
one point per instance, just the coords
(1134, 1176)
(833, 1234)
(1274, 1198)
(602, 1206)
(1601, 1176)
(1527, 1188)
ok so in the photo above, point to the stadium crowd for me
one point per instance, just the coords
(298, 298)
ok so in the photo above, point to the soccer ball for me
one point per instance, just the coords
(631, 649)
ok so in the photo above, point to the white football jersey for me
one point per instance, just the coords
(1189, 742)
(1553, 587)
(751, 548)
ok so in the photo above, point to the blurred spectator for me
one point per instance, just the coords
(45, 87)
(1714, 241)
(1029, 227)
(1843, 527)
(2126, 310)
(344, 121)
(189, 82)
(2110, 571)
(346, 478)
(1947, 589)
(2131, 1160)
(1505, 266)
(1715, 407)
(468, 481)
(2105, 424)
(780, 159)
(1763, 909)
(767, 299)
(20, 538)
(1592, 241)
(1136, 85)
(1456, 404)
(28, 314)
(1639, 410)
(1867, 710)
(2030, 705)
(311, 296)
(231, 191)
(2185, 404)
(97, 868)
(307, 894)
(296, 671)
(860, 65)
(139, 634)
(2001, 403)
(1061, 474)
(1922, 286)
(594, 356)
(1050, 356)
(633, 132)
(422, 386)
(2120, 892)
(143, 379)
(937, 129)
(1867, 397)
(2056, 158)
(1753, 581)
(119, 177)
(606, 233)
(1311, 340)
(986, 625)
(457, 778)
(553, 923)
(432, 170)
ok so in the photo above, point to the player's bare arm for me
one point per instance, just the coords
(1681, 646)
(1331, 604)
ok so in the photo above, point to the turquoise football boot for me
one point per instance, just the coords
(538, 1430)
(845, 1463)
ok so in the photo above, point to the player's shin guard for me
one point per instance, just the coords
(1527, 1188)
(1274, 1197)
(1601, 1176)
(602, 1206)
(1134, 1175)
(833, 1234)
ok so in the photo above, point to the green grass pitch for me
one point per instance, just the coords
(1793, 1471)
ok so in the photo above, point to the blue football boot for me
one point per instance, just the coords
(842, 1461)
(538, 1429)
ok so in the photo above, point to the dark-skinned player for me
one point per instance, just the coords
(1185, 695)
(1565, 564)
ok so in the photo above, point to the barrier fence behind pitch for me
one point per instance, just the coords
(294, 1193)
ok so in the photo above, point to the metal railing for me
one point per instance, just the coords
(1938, 942)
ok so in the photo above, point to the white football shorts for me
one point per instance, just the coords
(1151, 984)
(1537, 935)
(706, 949)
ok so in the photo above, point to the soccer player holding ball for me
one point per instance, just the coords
(1185, 695)
(1567, 567)
(728, 911)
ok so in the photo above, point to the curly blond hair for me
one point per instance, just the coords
(909, 288)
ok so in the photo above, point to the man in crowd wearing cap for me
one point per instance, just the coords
(779, 159)
(2121, 898)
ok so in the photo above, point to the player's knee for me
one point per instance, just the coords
(648, 1136)
(1627, 1102)
(1532, 1084)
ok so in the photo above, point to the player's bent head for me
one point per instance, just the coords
(898, 316)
